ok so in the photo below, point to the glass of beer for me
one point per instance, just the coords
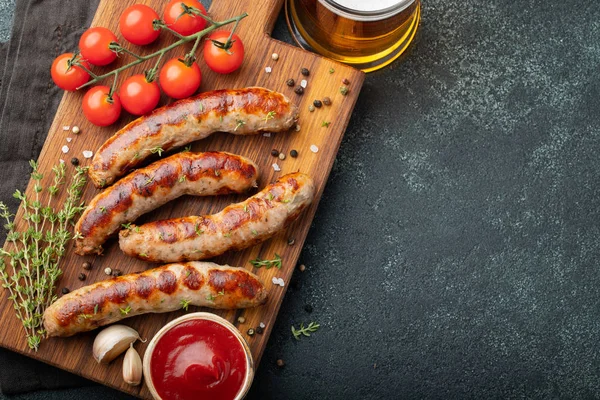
(366, 34)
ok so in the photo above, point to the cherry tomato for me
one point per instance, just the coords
(65, 77)
(178, 80)
(98, 108)
(139, 96)
(136, 24)
(186, 24)
(223, 60)
(94, 46)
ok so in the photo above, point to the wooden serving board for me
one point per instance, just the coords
(75, 354)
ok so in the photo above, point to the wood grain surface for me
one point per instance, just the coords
(75, 354)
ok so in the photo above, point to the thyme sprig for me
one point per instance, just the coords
(29, 265)
(305, 331)
(276, 262)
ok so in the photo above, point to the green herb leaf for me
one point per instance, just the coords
(258, 263)
(304, 331)
(184, 304)
(158, 150)
(126, 310)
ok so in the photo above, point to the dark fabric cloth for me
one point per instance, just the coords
(42, 29)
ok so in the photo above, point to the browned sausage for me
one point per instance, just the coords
(200, 174)
(241, 112)
(238, 226)
(157, 290)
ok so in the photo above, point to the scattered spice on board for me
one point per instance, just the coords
(345, 81)
(81, 276)
(276, 167)
(65, 149)
(75, 130)
(331, 70)
(291, 241)
(305, 71)
(344, 90)
(86, 265)
(65, 290)
(282, 156)
(293, 153)
(326, 124)
(89, 154)
(75, 161)
(311, 108)
(317, 103)
(275, 56)
(303, 83)
(275, 153)
(299, 90)
(250, 332)
(241, 320)
(108, 270)
(314, 148)
(327, 101)
(268, 70)
(69, 140)
(290, 82)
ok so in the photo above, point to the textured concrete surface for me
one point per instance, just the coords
(455, 251)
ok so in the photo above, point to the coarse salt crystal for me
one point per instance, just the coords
(297, 127)
(262, 325)
(268, 70)
(66, 128)
(69, 140)
(275, 281)
(88, 154)
(303, 83)
(276, 167)
(314, 148)
(65, 149)
(267, 134)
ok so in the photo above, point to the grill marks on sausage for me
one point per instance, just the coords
(218, 103)
(121, 291)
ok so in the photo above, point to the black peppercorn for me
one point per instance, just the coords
(275, 153)
(299, 90)
(250, 332)
(260, 330)
(65, 290)
(293, 153)
(308, 308)
(117, 272)
(317, 103)
(305, 71)
(81, 277)
(86, 265)
(290, 82)
(75, 161)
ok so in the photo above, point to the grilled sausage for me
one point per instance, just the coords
(158, 290)
(200, 174)
(238, 226)
(241, 112)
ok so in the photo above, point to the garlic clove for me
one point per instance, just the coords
(112, 341)
(132, 367)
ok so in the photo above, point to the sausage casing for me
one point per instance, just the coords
(241, 112)
(236, 227)
(186, 173)
(163, 289)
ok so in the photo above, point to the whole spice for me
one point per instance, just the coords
(75, 129)
(317, 103)
(275, 56)
(275, 153)
(327, 101)
(294, 153)
(241, 320)
(35, 250)
(299, 90)
(290, 82)
(302, 267)
(117, 272)
(311, 108)
(344, 90)
(250, 332)
(305, 71)
(65, 290)
(260, 330)
(280, 363)
(81, 276)
(75, 161)
(86, 265)
(132, 367)
(345, 81)
(282, 156)
(112, 341)
(107, 270)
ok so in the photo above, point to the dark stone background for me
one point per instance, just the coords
(454, 253)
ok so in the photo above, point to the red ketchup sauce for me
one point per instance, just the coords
(198, 359)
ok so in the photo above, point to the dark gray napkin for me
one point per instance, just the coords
(42, 29)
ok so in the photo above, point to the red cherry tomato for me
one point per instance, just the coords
(136, 24)
(223, 60)
(94, 46)
(65, 77)
(178, 80)
(139, 96)
(186, 24)
(98, 108)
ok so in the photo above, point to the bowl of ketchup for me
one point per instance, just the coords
(198, 356)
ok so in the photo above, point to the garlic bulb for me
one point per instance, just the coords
(112, 341)
(132, 367)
